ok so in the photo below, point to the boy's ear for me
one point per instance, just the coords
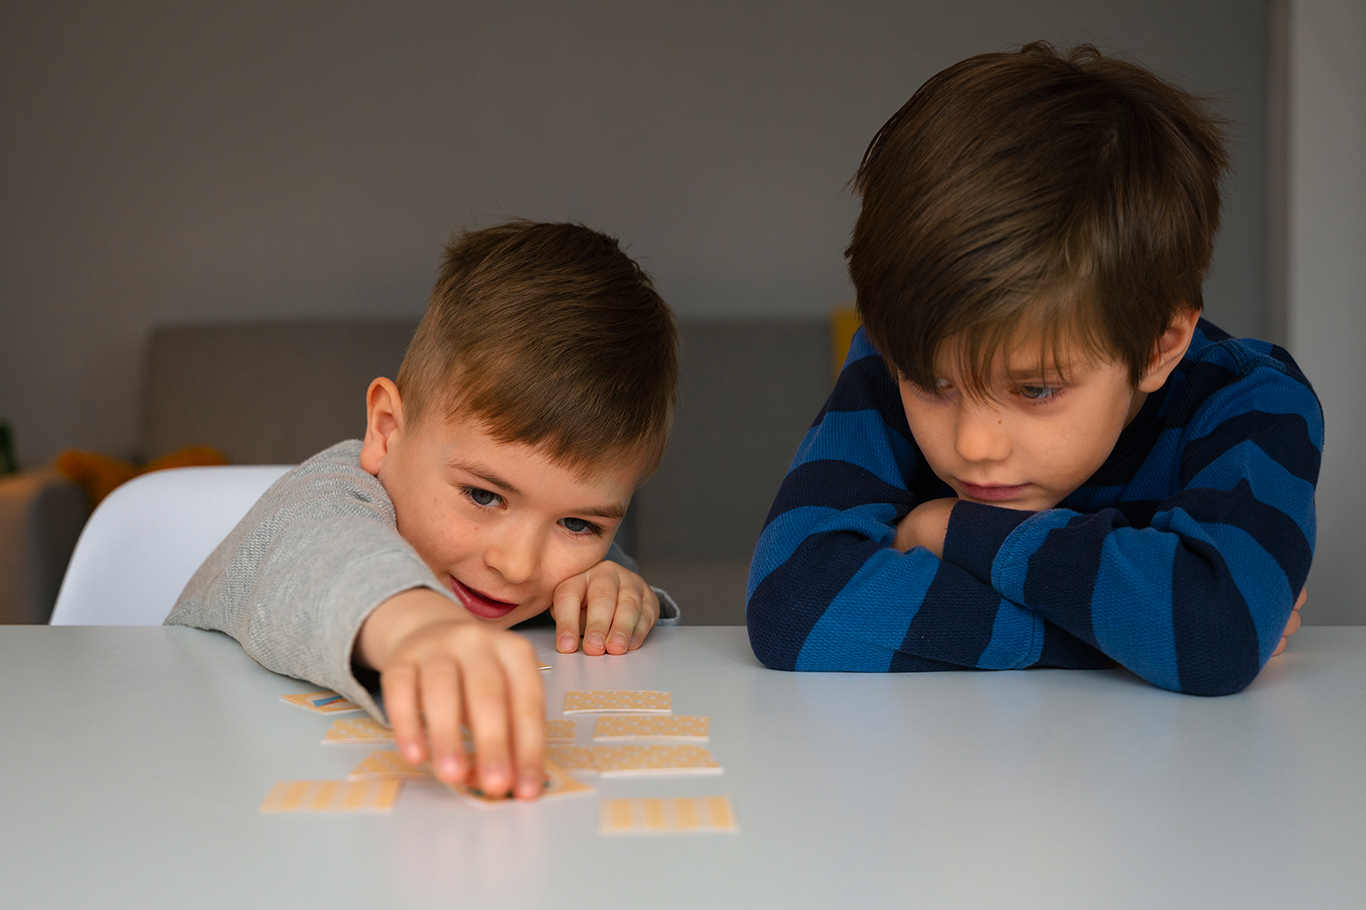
(383, 423)
(1169, 350)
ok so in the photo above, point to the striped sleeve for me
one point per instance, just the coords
(1181, 559)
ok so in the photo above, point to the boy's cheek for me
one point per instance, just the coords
(577, 563)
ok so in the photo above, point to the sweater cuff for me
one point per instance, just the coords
(361, 589)
(976, 533)
(669, 613)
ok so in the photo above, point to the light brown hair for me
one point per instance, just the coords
(552, 337)
(1058, 198)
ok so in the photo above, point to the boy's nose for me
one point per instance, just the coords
(514, 557)
(981, 434)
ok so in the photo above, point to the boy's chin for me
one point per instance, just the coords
(539, 619)
(1024, 504)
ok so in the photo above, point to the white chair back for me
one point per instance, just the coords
(148, 537)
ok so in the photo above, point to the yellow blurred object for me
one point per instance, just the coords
(101, 474)
(844, 322)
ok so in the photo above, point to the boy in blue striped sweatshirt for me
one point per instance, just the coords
(1038, 454)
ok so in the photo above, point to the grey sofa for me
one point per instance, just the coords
(275, 393)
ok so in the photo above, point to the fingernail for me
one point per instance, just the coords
(413, 753)
(619, 641)
(594, 640)
(495, 780)
(566, 642)
(529, 787)
(450, 767)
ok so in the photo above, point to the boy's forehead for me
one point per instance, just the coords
(625, 469)
(493, 459)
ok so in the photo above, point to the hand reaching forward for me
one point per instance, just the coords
(440, 668)
(1292, 626)
(612, 605)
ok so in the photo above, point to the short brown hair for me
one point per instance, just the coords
(552, 337)
(1035, 195)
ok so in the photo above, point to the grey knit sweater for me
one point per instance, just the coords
(299, 574)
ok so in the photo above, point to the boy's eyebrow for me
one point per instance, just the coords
(486, 474)
(1049, 371)
(610, 512)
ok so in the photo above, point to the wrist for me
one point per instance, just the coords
(397, 618)
(975, 533)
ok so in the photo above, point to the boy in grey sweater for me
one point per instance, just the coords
(535, 397)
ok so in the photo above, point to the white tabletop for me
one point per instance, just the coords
(134, 761)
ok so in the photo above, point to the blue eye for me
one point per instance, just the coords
(482, 497)
(578, 526)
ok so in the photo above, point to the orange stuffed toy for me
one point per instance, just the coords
(100, 474)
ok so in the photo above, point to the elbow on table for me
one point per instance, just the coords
(1218, 681)
(772, 635)
(1214, 644)
(1217, 670)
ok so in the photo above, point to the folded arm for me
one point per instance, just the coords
(1191, 590)
(1193, 593)
(828, 590)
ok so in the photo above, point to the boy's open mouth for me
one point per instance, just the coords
(992, 492)
(479, 604)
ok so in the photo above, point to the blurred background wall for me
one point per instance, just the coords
(190, 161)
(1319, 149)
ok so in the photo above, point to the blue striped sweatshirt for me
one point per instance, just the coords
(1180, 558)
